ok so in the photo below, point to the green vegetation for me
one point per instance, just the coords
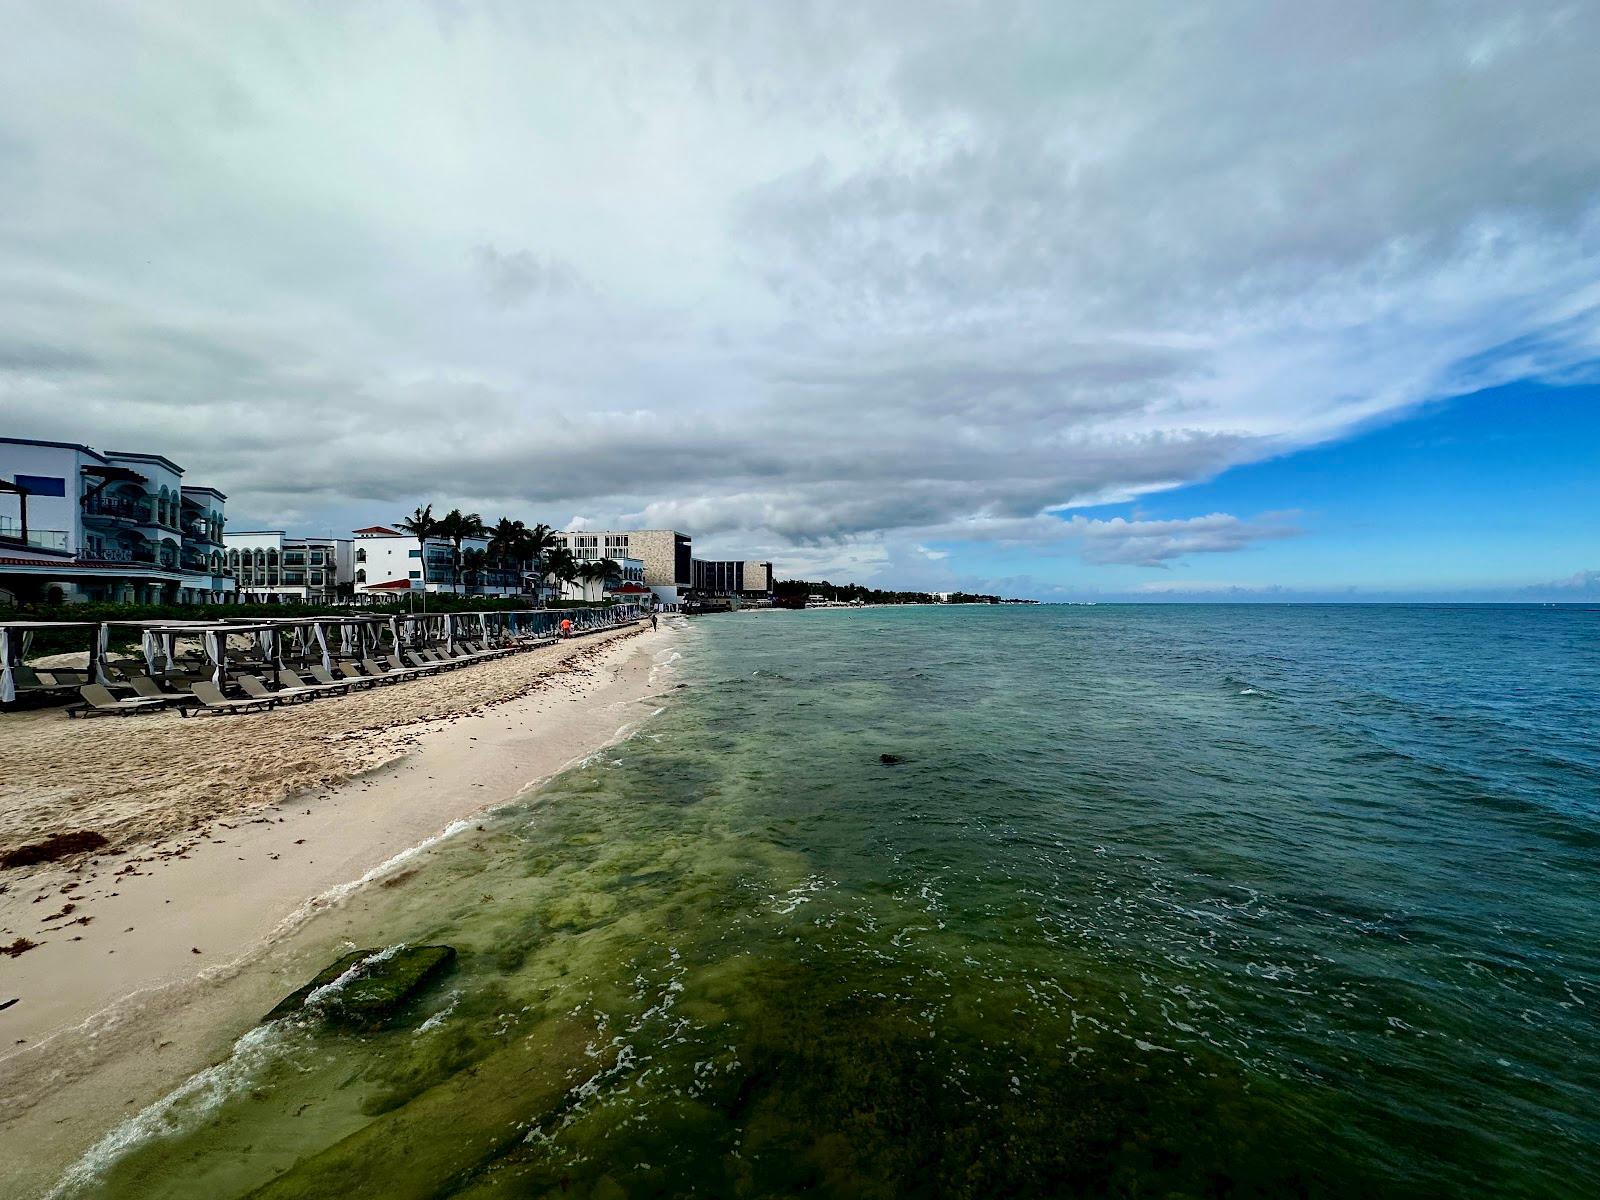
(849, 593)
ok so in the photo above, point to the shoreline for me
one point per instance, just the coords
(178, 943)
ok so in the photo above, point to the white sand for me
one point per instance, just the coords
(114, 1011)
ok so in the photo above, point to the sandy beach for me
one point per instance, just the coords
(225, 835)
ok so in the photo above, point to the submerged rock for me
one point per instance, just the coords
(890, 760)
(365, 988)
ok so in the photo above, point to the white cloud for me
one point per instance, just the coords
(808, 278)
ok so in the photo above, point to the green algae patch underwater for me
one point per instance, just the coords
(365, 988)
(1112, 927)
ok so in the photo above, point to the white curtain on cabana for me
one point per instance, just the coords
(101, 651)
(13, 646)
(322, 643)
(152, 651)
(216, 647)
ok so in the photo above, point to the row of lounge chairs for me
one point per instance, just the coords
(291, 687)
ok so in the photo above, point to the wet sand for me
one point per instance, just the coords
(150, 950)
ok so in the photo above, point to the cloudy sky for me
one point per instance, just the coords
(1059, 299)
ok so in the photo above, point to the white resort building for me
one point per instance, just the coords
(269, 565)
(386, 561)
(83, 524)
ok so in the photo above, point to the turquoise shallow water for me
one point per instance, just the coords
(1217, 901)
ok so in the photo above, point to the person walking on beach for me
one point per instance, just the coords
(652, 620)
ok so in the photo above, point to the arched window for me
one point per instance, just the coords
(361, 554)
(361, 575)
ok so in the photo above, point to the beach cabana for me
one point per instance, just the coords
(265, 640)
(17, 636)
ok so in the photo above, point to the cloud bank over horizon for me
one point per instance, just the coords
(850, 287)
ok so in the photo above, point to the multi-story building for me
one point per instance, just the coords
(745, 578)
(667, 555)
(269, 565)
(83, 524)
(385, 560)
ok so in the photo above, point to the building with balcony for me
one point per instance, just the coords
(272, 567)
(83, 524)
(667, 555)
(384, 560)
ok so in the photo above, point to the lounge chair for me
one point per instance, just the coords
(353, 673)
(98, 702)
(150, 688)
(63, 679)
(324, 681)
(419, 664)
(212, 700)
(439, 658)
(258, 688)
(379, 669)
(30, 682)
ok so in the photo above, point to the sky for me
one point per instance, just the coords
(1071, 301)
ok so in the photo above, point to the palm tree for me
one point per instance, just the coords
(508, 544)
(421, 525)
(541, 541)
(559, 564)
(473, 562)
(604, 569)
(457, 526)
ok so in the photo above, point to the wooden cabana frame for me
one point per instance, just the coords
(17, 636)
(357, 636)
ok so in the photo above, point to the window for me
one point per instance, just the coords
(416, 575)
(414, 553)
(361, 575)
(361, 555)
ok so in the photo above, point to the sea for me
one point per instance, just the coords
(1134, 901)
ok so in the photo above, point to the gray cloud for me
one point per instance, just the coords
(511, 278)
(826, 282)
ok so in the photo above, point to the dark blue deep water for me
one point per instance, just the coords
(1156, 901)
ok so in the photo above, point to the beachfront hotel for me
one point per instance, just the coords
(386, 561)
(79, 524)
(667, 555)
(269, 565)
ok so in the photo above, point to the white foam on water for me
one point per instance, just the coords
(440, 1017)
(341, 892)
(798, 895)
(353, 972)
(179, 1110)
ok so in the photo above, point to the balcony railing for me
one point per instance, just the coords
(42, 539)
(122, 554)
(110, 506)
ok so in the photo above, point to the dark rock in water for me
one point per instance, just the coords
(377, 985)
(890, 760)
